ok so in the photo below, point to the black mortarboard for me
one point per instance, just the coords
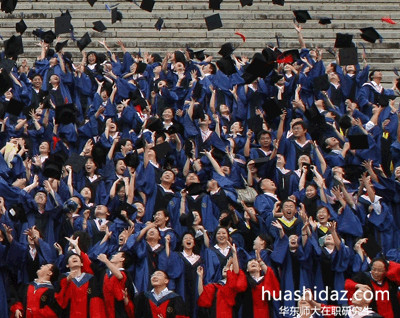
(218, 154)
(92, 2)
(344, 40)
(197, 91)
(370, 35)
(358, 141)
(227, 66)
(99, 26)
(261, 160)
(270, 54)
(99, 154)
(348, 56)
(147, 5)
(61, 45)
(275, 77)
(353, 172)
(52, 169)
(21, 27)
(213, 22)
(199, 55)
(324, 21)
(383, 100)
(162, 150)
(371, 247)
(84, 41)
(195, 188)
(65, 114)
(7, 65)
(140, 101)
(115, 15)
(226, 49)
(132, 159)
(8, 6)
(5, 82)
(301, 16)
(13, 46)
(246, 3)
(15, 107)
(159, 24)
(255, 123)
(214, 4)
(62, 24)
(154, 124)
(272, 108)
(141, 67)
(188, 147)
(198, 112)
(289, 56)
(279, 2)
(321, 83)
(76, 161)
(48, 36)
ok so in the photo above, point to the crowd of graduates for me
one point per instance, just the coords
(135, 185)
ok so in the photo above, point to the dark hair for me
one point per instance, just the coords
(119, 186)
(372, 73)
(263, 132)
(128, 260)
(54, 273)
(380, 259)
(301, 123)
(213, 68)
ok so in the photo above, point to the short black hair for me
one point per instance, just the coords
(54, 273)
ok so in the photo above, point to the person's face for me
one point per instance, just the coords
(289, 210)
(333, 76)
(298, 131)
(37, 82)
(188, 241)
(160, 219)
(179, 67)
(158, 279)
(222, 236)
(41, 198)
(91, 58)
(86, 193)
(397, 172)
(323, 215)
(54, 80)
(168, 176)
(196, 218)
(167, 114)
(268, 185)
(377, 75)
(140, 209)
(121, 192)
(104, 95)
(224, 109)
(258, 244)
(329, 240)
(226, 170)
(304, 159)
(74, 261)
(236, 128)
(45, 269)
(162, 84)
(153, 234)
(265, 141)
(192, 178)
(117, 258)
(157, 69)
(120, 167)
(378, 271)
(90, 166)
(44, 148)
(332, 142)
(113, 128)
(280, 160)
(293, 241)
(253, 266)
(101, 211)
(351, 69)
(127, 147)
(310, 192)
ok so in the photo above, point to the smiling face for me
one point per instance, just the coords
(159, 279)
(90, 166)
(289, 210)
(253, 266)
(222, 236)
(378, 271)
(323, 215)
(37, 82)
(265, 141)
(44, 148)
(74, 261)
(140, 209)
(168, 177)
(41, 198)
(196, 218)
(311, 192)
(259, 244)
(153, 234)
(160, 219)
(188, 241)
(45, 270)
(120, 167)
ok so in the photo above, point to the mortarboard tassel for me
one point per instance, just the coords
(241, 35)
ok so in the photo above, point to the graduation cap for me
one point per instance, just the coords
(141, 67)
(213, 22)
(84, 41)
(147, 5)
(115, 15)
(198, 112)
(48, 37)
(270, 54)
(197, 91)
(226, 49)
(8, 6)
(154, 124)
(275, 77)
(371, 247)
(289, 56)
(15, 107)
(99, 26)
(62, 24)
(348, 56)
(273, 108)
(162, 150)
(383, 100)
(321, 83)
(65, 114)
(52, 169)
(188, 147)
(6, 81)
(7, 65)
(132, 159)
(99, 154)
(246, 3)
(255, 123)
(199, 55)
(214, 4)
(92, 2)
(370, 35)
(358, 141)
(159, 24)
(76, 161)
(324, 21)
(279, 2)
(227, 65)
(13, 46)
(261, 160)
(21, 27)
(344, 40)
(301, 16)
(61, 45)
(218, 154)
(195, 188)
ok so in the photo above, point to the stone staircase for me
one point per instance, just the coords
(184, 25)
